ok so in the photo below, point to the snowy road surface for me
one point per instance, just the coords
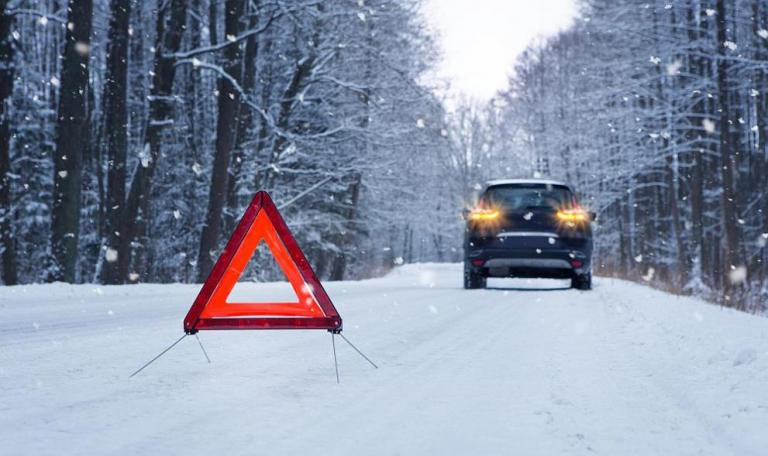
(527, 368)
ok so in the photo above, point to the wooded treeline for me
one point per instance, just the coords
(658, 113)
(134, 133)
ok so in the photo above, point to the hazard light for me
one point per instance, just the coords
(484, 215)
(573, 215)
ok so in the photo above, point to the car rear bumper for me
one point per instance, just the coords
(529, 262)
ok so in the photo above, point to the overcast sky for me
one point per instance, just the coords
(480, 39)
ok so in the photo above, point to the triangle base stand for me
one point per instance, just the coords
(333, 332)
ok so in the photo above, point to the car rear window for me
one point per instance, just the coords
(529, 196)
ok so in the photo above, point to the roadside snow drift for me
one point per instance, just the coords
(526, 367)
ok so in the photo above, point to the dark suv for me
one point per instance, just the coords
(528, 228)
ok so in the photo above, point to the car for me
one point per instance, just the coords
(528, 228)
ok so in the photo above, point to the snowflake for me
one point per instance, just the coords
(649, 275)
(730, 45)
(110, 255)
(674, 67)
(762, 240)
(737, 275)
(709, 125)
(763, 33)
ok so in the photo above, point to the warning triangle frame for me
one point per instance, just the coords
(227, 270)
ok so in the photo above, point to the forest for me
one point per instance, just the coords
(658, 113)
(134, 133)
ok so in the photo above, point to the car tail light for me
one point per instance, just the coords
(577, 263)
(484, 215)
(478, 262)
(573, 215)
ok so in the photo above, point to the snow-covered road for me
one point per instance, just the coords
(526, 368)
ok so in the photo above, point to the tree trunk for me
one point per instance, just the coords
(244, 124)
(116, 129)
(169, 33)
(71, 139)
(728, 199)
(10, 274)
(229, 101)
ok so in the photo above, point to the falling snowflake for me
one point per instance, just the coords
(55, 81)
(709, 125)
(399, 260)
(63, 174)
(82, 48)
(110, 255)
(674, 67)
(43, 21)
(639, 259)
(177, 214)
(763, 33)
(528, 215)
(197, 169)
(655, 60)
(737, 274)
(754, 92)
(710, 12)
(133, 277)
(730, 45)
(420, 123)
(762, 240)
(649, 275)
(361, 16)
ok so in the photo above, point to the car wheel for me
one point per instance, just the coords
(582, 282)
(473, 280)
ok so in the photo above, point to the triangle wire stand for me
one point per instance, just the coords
(334, 333)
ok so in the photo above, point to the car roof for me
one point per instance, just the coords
(495, 182)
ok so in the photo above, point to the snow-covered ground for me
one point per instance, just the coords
(526, 368)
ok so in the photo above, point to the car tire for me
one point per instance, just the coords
(582, 282)
(473, 280)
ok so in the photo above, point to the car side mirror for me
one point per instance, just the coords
(592, 216)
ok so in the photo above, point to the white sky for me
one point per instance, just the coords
(480, 39)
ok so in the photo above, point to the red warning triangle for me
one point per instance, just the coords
(312, 310)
